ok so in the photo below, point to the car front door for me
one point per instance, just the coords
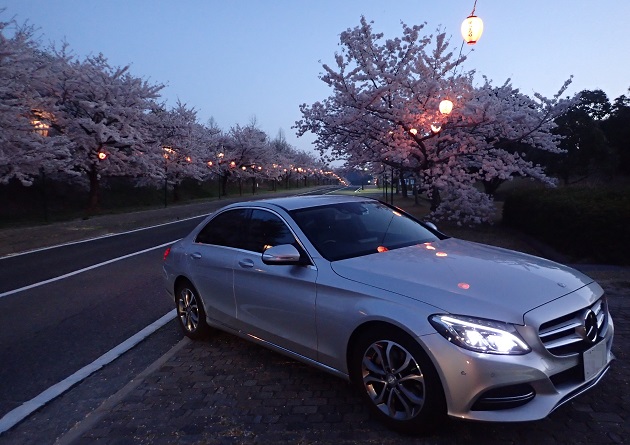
(275, 303)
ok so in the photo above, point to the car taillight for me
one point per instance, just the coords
(166, 252)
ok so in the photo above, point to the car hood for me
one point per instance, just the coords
(466, 278)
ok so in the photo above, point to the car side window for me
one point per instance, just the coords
(267, 230)
(225, 229)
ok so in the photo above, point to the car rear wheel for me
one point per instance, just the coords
(398, 381)
(190, 312)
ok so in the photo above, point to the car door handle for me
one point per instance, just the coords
(195, 255)
(247, 263)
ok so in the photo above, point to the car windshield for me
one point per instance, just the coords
(352, 229)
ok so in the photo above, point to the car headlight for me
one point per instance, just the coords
(479, 335)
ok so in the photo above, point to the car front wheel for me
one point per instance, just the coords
(398, 381)
(190, 312)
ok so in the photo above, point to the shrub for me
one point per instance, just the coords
(590, 224)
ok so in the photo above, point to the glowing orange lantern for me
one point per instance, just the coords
(446, 106)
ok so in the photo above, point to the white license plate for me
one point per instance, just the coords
(594, 360)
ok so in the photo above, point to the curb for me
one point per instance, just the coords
(106, 407)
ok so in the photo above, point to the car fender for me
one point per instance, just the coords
(344, 307)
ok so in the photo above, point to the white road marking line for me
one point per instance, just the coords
(109, 235)
(76, 272)
(27, 408)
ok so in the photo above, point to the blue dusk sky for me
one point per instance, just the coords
(239, 60)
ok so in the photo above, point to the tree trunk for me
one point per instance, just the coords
(436, 200)
(403, 185)
(44, 193)
(95, 192)
(224, 180)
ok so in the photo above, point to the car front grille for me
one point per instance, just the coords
(567, 335)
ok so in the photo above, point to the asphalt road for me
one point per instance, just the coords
(52, 330)
(24, 270)
(64, 306)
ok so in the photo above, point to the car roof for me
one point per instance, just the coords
(300, 202)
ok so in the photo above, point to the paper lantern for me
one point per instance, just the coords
(446, 106)
(472, 28)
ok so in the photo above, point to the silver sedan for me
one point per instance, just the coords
(424, 325)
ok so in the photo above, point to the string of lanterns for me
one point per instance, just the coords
(472, 28)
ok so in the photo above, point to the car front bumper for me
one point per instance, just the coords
(514, 388)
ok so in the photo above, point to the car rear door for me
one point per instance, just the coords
(212, 260)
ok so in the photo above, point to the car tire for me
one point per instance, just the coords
(398, 381)
(190, 312)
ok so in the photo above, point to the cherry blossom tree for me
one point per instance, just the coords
(186, 146)
(103, 110)
(84, 121)
(28, 146)
(384, 111)
(210, 140)
(244, 149)
(284, 162)
(282, 159)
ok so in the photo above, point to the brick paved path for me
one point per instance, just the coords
(228, 391)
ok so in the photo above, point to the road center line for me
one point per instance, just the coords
(27, 408)
(85, 269)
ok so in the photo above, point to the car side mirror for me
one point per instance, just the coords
(284, 254)
(430, 225)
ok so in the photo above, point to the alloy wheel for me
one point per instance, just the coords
(393, 380)
(188, 310)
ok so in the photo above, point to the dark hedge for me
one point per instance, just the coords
(589, 224)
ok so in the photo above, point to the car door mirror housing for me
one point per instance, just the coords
(284, 254)
(431, 225)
